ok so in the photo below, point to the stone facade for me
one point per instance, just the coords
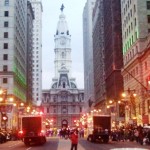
(135, 35)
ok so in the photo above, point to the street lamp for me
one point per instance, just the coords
(4, 107)
(131, 105)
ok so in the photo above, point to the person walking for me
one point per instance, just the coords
(74, 140)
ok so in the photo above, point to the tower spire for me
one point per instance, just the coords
(62, 7)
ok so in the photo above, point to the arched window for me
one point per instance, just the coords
(64, 84)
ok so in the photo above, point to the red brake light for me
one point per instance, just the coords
(42, 131)
(20, 132)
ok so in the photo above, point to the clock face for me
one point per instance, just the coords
(62, 41)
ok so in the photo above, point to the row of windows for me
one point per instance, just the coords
(63, 99)
(125, 9)
(63, 110)
(129, 15)
(131, 40)
(131, 54)
(135, 72)
(129, 29)
(127, 18)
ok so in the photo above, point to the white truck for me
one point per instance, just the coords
(31, 129)
(99, 128)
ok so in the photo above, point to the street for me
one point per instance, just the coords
(62, 144)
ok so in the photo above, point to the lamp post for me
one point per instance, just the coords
(3, 106)
(131, 106)
(113, 108)
(19, 110)
(4, 118)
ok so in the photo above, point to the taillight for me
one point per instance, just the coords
(21, 132)
(41, 133)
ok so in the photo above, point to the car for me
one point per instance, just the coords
(146, 127)
(2, 137)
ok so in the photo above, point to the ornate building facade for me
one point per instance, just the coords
(63, 102)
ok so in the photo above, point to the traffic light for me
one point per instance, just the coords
(4, 117)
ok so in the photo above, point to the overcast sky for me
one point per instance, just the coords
(73, 12)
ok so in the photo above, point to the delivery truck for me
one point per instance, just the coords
(31, 129)
(99, 128)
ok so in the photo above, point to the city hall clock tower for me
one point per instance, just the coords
(63, 103)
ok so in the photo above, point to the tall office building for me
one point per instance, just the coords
(30, 18)
(107, 57)
(88, 53)
(98, 56)
(13, 52)
(135, 35)
(63, 103)
(37, 51)
(112, 48)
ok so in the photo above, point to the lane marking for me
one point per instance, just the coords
(14, 144)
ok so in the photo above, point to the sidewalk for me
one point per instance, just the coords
(66, 145)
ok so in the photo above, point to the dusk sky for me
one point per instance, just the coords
(73, 12)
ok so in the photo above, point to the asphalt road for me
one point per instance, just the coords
(62, 144)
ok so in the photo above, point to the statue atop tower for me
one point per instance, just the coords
(62, 7)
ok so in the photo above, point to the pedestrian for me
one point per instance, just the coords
(74, 140)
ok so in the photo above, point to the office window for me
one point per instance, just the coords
(5, 57)
(54, 108)
(148, 105)
(5, 68)
(145, 65)
(148, 18)
(6, 24)
(5, 80)
(134, 8)
(135, 21)
(5, 46)
(6, 3)
(6, 13)
(48, 110)
(148, 4)
(5, 34)
(74, 109)
(80, 109)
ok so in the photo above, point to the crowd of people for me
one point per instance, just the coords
(132, 133)
(139, 134)
(63, 133)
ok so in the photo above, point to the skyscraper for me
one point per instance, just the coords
(37, 51)
(88, 53)
(30, 18)
(13, 51)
